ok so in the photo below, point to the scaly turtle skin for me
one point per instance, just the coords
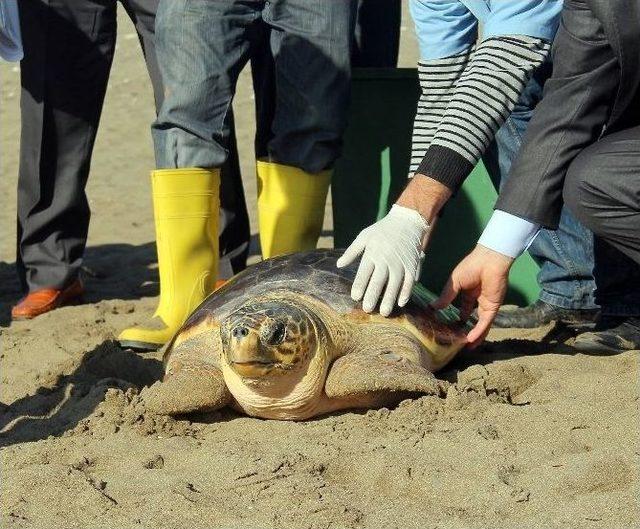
(284, 340)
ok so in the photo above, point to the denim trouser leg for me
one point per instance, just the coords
(202, 46)
(311, 44)
(565, 255)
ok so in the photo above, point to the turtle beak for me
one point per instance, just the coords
(246, 355)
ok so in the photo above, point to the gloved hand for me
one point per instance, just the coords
(393, 253)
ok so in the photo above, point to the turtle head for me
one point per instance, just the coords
(268, 338)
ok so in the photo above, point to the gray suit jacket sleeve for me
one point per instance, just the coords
(576, 104)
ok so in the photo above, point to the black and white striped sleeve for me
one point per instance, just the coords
(484, 95)
(437, 81)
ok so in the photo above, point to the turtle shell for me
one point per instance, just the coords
(314, 273)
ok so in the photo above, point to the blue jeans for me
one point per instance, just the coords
(565, 256)
(204, 44)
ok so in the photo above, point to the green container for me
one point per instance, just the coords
(373, 169)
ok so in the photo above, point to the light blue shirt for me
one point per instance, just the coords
(10, 39)
(449, 27)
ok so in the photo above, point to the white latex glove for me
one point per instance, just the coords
(393, 254)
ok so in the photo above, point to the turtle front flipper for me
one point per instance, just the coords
(193, 379)
(193, 388)
(384, 369)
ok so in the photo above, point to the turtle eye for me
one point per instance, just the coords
(273, 333)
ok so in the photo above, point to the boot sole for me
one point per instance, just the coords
(594, 348)
(139, 346)
(580, 327)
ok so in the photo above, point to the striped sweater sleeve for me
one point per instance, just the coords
(437, 80)
(482, 98)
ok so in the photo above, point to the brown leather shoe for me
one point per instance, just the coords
(46, 299)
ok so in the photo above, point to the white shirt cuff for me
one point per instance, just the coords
(508, 234)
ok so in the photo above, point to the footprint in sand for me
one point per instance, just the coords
(605, 475)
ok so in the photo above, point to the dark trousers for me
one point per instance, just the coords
(69, 46)
(602, 188)
(376, 42)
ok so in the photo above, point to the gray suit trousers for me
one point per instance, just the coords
(69, 46)
(602, 189)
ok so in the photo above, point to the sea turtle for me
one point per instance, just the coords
(284, 340)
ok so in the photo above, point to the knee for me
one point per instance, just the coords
(584, 190)
(573, 188)
(175, 46)
(163, 32)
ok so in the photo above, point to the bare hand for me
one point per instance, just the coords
(481, 277)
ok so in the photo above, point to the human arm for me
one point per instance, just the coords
(572, 115)
(392, 248)
(463, 103)
(483, 98)
(481, 277)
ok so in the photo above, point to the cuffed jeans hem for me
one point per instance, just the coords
(311, 167)
(585, 303)
(176, 149)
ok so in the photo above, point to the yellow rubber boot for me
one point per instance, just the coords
(186, 204)
(290, 208)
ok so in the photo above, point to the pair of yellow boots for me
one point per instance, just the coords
(186, 207)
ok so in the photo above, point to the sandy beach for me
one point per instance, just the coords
(526, 433)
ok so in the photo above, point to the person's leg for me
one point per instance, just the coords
(311, 42)
(566, 255)
(201, 47)
(235, 231)
(143, 15)
(617, 279)
(602, 189)
(233, 224)
(68, 53)
(264, 88)
(377, 34)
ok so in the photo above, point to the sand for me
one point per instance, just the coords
(528, 434)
